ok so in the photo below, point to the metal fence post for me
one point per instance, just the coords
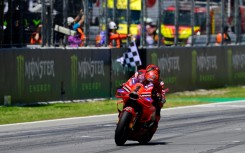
(128, 20)
(142, 33)
(114, 18)
(21, 24)
(43, 17)
(1, 22)
(52, 22)
(176, 22)
(114, 10)
(10, 21)
(192, 21)
(208, 22)
(237, 21)
(159, 24)
(106, 23)
(223, 19)
(65, 19)
(86, 23)
(48, 23)
(101, 14)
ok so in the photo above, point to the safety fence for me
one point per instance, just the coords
(60, 74)
(172, 22)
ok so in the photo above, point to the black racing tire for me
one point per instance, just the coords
(122, 129)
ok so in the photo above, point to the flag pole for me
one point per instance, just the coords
(136, 69)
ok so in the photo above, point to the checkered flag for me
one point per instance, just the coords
(131, 58)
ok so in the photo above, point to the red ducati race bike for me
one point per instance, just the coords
(137, 119)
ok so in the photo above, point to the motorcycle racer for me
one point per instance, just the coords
(158, 94)
(149, 77)
(143, 96)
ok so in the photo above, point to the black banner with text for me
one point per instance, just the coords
(34, 75)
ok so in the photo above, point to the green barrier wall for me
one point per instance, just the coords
(34, 75)
(54, 74)
(199, 67)
(235, 65)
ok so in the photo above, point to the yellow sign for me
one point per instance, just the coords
(122, 4)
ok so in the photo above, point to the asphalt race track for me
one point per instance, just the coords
(212, 128)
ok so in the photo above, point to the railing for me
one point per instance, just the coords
(173, 22)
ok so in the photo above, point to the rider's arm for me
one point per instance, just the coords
(118, 36)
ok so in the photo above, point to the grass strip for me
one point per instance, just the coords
(17, 114)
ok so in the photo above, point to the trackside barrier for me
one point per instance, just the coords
(54, 74)
(199, 67)
(34, 75)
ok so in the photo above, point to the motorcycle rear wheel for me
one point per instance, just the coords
(122, 129)
(146, 138)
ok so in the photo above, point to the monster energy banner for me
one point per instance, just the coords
(61, 74)
(209, 67)
(90, 73)
(47, 75)
(236, 65)
(192, 68)
(175, 67)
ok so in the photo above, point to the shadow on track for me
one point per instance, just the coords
(148, 144)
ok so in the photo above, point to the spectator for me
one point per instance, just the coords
(226, 37)
(76, 24)
(151, 34)
(36, 36)
(112, 35)
(147, 22)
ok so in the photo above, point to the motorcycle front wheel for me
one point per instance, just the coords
(122, 129)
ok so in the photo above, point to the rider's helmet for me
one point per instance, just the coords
(153, 67)
(152, 73)
(112, 25)
(152, 76)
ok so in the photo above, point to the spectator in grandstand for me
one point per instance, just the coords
(147, 22)
(36, 38)
(76, 24)
(226, 37)
(151, 34)
(112, 35)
